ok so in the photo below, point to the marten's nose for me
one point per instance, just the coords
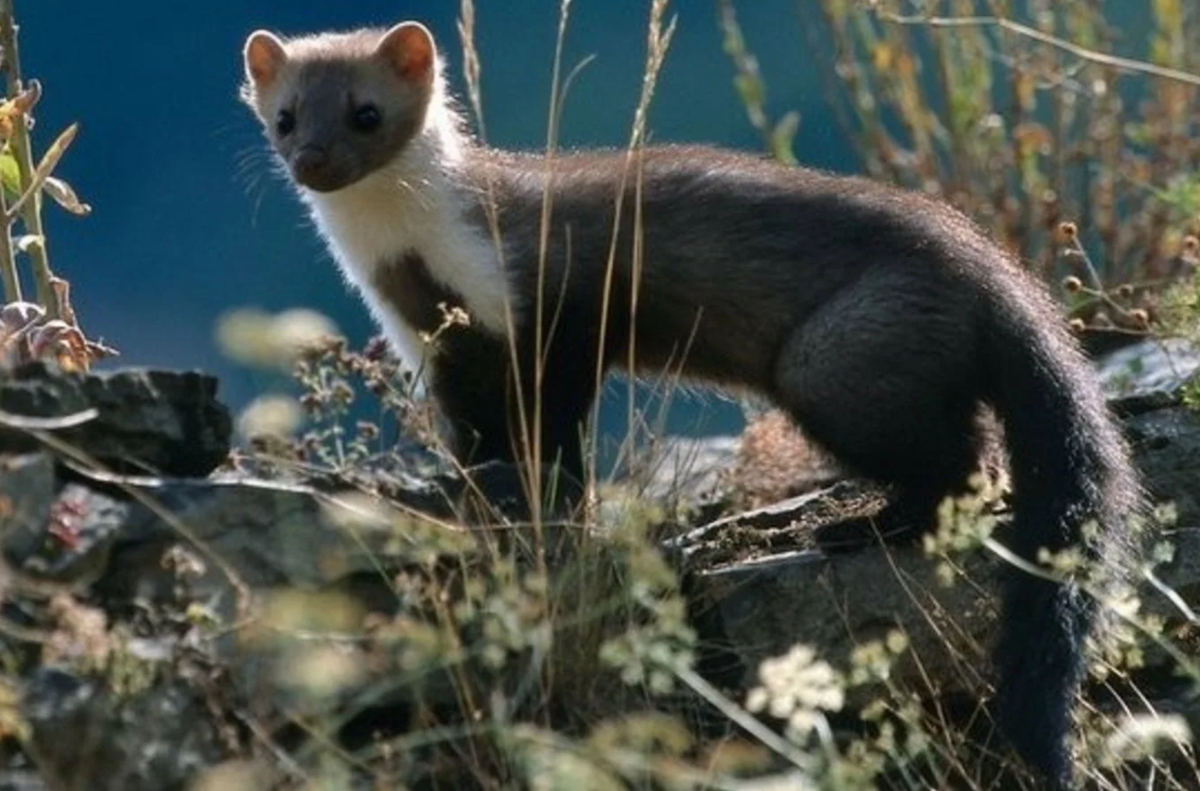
(309, 162)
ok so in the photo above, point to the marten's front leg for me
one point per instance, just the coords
(475, 389)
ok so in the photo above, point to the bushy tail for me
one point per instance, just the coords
(1070, 466)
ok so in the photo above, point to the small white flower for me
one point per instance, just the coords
(1144, 735)
(794, 687)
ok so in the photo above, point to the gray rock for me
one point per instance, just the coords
(27, 490)
(1149, 366)
(148, 420)
(250, 538)
(264, 533)
(21, 781)
(84, 736)
(690, 467)
(69, 536)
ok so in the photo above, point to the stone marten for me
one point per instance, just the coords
(883, 321)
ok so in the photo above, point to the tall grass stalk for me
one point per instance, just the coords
(658, 40)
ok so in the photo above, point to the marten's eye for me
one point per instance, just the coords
(285, 122)
(367, 118)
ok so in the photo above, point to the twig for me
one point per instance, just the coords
(26, 423)
(8, 261)
(1172, 596)
(1103, 59)
(772, 740)
(1092, 273)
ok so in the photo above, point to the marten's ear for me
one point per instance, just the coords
(264, 55)
(408, 48)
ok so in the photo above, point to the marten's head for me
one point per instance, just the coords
(339, 106)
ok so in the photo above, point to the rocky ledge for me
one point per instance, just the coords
(109, 491)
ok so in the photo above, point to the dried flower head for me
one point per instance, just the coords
(1068, 233)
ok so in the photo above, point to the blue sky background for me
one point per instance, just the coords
(177, 236)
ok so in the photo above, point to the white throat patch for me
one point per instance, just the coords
(414, 205)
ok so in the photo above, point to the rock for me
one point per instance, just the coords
(249, 538)
(266, 534)
(21, 781)
(27, 489)
(688, 468)
(770, 460)
(148, 420)
(160, 553)
(69, 536)
(83, 736)
(1149, 366)
(1167, 446)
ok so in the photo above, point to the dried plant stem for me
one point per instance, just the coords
(873, 141)
(31, 209)
(735, 713)
(954, 127)
(472, 72)
(776, 135)
(534, 435)
(1083, 53)
(8, 262)
(658, 40)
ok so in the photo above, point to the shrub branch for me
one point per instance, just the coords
(30, 205)
(1083, 53)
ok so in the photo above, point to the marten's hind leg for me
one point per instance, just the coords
(883, 378)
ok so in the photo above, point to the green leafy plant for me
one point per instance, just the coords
(47, 326)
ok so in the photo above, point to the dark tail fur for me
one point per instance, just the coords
(1070, 465)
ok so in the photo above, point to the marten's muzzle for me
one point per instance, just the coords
(314, 168)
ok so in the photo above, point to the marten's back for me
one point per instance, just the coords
(735, 249)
